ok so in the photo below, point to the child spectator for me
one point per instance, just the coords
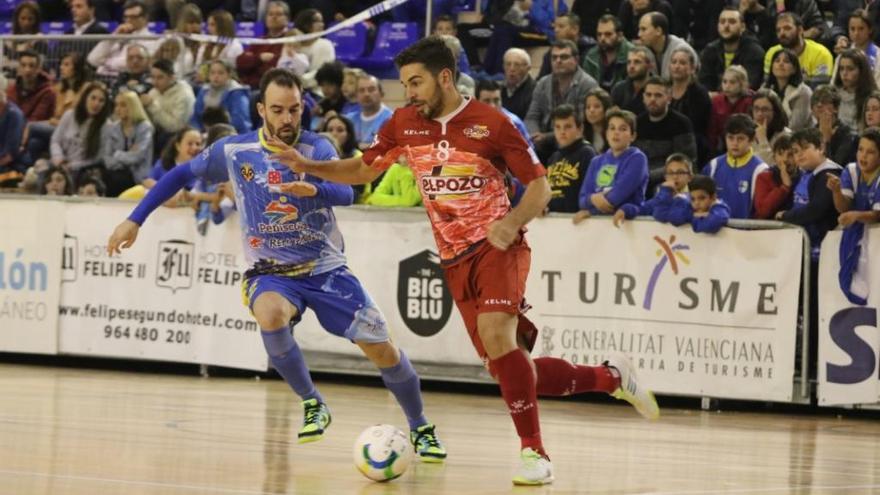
(596, 104)
(736, 172)
(568, 165)
(735, 97)
(773, 190)
(213, 202)
(871, 115)
(618, 176)
(397, 188)
(813, 207)
(223, 91)
(127, 144)
(678, 173)
(56, 182)
(709, 213)
(839, 140)
(181, 148)
(854, 80)
(91, 187)
(856, 196)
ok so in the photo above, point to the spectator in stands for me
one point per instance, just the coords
(223, 91)
(618, 176)
(170, 103)
(136, 76)
(183, 146)
(350, 76)
(736, 172)
(567, 166)
(489, 92)
(708, 213)
(627, 94)
(341, 129)
(108, 56)
(690, 98)
(319, 51)
(606, 62)
(91, 187)
(397, 188)
(773, 189)
(677, 173)
(854, 81)
(654, 34)
(860, 37)
(735, 97)
(596, 105)
(871, 115)
(329, 78)
(25, 20)
(373, 113)
(259, 58)
(445, 26)
(83, 14)
(734, 46)
(568, 27)
(815, 59)
(662, 131)
(127, 144)
(12, 128)
(786, 80)
(855, 193)
(463, 82)
(839, 141)
(762, 17)
(591, 11)
(518, 82)
(56, 182)
(517, 27)
(567, 84)
(32, 89)
(771, 121)
(220, 23)
(813, 207)
(72, 78)
(76, 142)
(189, 21)
(632, 11)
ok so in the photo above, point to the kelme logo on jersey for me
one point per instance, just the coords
(452, 182)
(477, 132)
(423, 299)
(247, 172)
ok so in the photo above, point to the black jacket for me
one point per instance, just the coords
(749, 54)
(565, 172)
(519, 102)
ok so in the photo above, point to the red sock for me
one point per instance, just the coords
(558, 377)
(517, 382)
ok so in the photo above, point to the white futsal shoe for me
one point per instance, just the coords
(630, 390)
(534, 469)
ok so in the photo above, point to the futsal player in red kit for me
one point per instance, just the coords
(459, 150)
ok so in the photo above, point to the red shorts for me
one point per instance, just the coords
(490, 280)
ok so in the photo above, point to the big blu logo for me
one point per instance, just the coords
(842, 329)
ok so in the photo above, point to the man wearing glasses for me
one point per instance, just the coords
(108, 56)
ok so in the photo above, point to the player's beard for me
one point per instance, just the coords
(286, 133)
(433, 106)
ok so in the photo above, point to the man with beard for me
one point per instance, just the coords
(662, 131)
(627, 94)
(606, 62)
(733, 47)
(460, 149)
(816, 61)
(295, 252)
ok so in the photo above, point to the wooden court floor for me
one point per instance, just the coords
(70, 431)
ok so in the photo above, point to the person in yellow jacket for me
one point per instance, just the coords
(397, 188)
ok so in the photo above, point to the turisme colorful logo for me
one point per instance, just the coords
(670, 253)
(280, 211)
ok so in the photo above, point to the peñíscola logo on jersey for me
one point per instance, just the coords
(175, 264)
(423, 299)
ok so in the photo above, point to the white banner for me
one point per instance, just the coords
(849, 341)
(30, 254)
(710, 315)
(174, 296)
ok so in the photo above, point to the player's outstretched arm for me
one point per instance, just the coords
(348, 171)
(502, 233)
(125, 234)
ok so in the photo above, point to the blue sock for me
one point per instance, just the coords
(287, 359)
(402, 380)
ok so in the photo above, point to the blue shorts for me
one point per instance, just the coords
(337, 297)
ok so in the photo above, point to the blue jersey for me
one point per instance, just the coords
(865, 197)
(281, 233)
(735, 181)
(366, 128)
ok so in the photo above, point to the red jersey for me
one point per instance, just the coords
(459, 162)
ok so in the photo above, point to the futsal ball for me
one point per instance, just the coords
(382, 452)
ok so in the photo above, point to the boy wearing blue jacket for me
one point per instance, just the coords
(678, 172)
(708, 213)
(736, 172)
(618, 176)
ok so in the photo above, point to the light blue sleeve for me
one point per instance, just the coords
(210, 164)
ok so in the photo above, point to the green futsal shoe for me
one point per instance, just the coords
(316, 418)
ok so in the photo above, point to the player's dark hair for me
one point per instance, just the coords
(702, 183)
(432, 52)
(280, 77)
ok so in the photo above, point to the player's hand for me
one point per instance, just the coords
(833, 183)
(123, 237)
(300, 189)
(848, 218)
(502, 233)
(289, 156)
(619, 218)
(580, 216)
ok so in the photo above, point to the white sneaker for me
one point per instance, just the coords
(638, 395)
(534, 469)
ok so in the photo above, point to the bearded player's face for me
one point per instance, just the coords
(422, 89)
(281, 111)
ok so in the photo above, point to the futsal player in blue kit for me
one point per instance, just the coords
(295, 252)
